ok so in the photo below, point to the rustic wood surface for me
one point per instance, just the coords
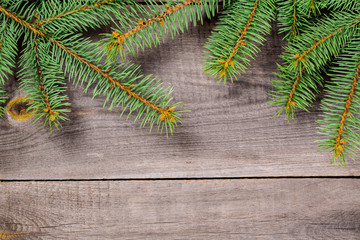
(199, 209)
(101, 177)
(230, 131)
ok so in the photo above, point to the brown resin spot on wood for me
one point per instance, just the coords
(17, 108)
(6, 235)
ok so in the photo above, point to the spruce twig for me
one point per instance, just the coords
(340, 121)
(155, 106)
(237, 36)
(86, 7)
(143, 27)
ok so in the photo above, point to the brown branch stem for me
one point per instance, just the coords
(294, 19)
(239, 42)
(113, 81)
(300, 57)
(74, 11)
(340, 141)
(41, 82)
(120, 38)
(291, 95)
(21, 21)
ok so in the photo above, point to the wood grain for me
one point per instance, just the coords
(223, 209)
(230, 131)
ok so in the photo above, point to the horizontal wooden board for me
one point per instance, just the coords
(223, 209)
(230, 131)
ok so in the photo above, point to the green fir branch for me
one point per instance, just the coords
(289, 22)
(23, 9)
(312, 7)
(297, 22)
(340, 121)
(77, 15)
(123, 83)
(44, 83)
(295, 90)
(142, 27)
(81, 60)
(10, 34)
(315, 48)
(236, 37)
(300, 76)
(340, 5)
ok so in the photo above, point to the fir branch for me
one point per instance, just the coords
(294, 90)
(3, 96)
(166, 117)
(236, 37)
(314, 59)
(39, 73)
(293, 24)
(86, 7)
(340, 141)
(77, 15)
(2, 35)
(23, 9)
(9, 36)
(239, 42)
(293, 28)
(328, 43)
(301, 19)
(300, 57)
(137, 27)
(21, 21)
(120, 38)
(44, 83)
(339, 5)
(312, 7)
(51, 113)
(290, 101)
(341, 106)
(162, 111)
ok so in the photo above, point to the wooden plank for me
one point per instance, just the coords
(229, 132)
(222, 209)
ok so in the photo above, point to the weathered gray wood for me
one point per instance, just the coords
(223, 209)
(229, 132)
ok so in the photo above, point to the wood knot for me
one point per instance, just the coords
(18, 109)
(8, 235)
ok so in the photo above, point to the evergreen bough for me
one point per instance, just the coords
(322, 37)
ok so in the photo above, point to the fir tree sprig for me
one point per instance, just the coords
(341, 106)
(339, 5)
(336, 37)
(236, 38)
(141, 27)
(292, 24)
(47, 94)
(289, 23)
(128, 87)
(9, 32)
(78, 15)
(300, 76)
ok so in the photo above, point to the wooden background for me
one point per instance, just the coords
(231, 171)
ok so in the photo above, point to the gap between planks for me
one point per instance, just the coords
(180, 179)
